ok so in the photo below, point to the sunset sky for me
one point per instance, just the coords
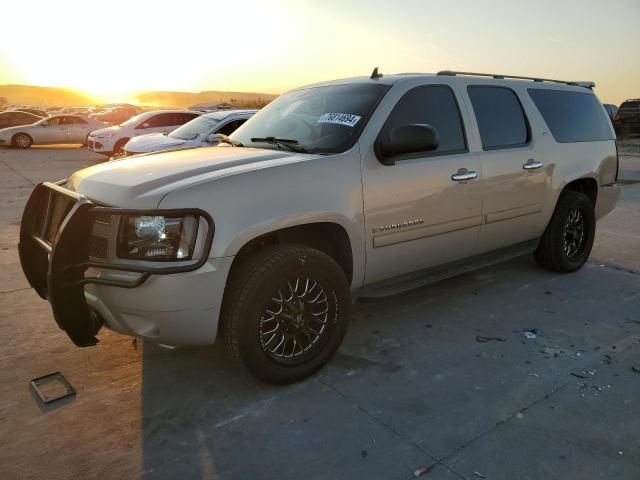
(111, 48)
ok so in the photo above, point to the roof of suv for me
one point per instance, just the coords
(395, 78)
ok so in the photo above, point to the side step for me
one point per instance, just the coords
(410, 281)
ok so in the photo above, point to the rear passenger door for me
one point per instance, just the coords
(77, 129)
(417, 215)
(513, 170)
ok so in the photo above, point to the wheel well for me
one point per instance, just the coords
(329, 238)
(588, 186)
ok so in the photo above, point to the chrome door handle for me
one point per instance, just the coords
(532, 164)
(463, 175)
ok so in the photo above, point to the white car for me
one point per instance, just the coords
(112, 140)
(199, 132)
(59, 129)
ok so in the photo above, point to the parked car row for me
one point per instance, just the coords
(146, 132)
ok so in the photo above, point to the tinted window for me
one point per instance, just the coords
(230, 127)
(500, 117)
(572, 116)
(54, 120)
(434, 105)
(163, 120)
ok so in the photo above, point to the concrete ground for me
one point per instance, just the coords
(410, 387)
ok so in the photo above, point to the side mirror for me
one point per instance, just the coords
(213, 138)
(408, 138)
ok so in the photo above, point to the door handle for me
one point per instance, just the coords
(532, 164)
(463, 175)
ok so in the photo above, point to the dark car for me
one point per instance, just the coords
(627, 120)
(34, 111)
(16, 118)
(611, 110)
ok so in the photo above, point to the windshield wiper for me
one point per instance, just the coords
(222, 138)
(280, 142)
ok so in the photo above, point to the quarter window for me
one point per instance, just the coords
(572, 116)
(500, 117)
(433, 105)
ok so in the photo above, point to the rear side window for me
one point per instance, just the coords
(572, 116)
(500, 117)
(434, 105)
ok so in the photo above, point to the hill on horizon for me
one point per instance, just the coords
(56, 96)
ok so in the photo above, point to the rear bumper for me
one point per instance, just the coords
(84, 291)
(607, 198)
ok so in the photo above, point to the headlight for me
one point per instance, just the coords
(104, 135)
(159, 238)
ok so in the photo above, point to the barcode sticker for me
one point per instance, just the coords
(340, 118)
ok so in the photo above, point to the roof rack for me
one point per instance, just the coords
(452, 73)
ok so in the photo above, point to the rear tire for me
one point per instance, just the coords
(285, 312)
(21, 140)
(568, 239)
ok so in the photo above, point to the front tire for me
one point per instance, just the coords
(568, 239)
(21, 140)
(286, 312)
(119, 146)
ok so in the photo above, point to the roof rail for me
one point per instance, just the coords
(452, 73)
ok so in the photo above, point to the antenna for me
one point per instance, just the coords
(375, 75)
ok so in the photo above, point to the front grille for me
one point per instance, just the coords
(98, 247)
(59, 207)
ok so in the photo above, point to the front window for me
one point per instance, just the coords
(320, 119)
(193, 129)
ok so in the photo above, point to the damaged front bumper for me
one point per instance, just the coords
(58, 257)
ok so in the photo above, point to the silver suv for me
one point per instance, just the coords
(360, 187)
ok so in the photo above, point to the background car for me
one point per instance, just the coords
(59, 129)
(34, 111)
(116, 115)
(199, 132)
(626, 121)
(109, 141)
(15, 118)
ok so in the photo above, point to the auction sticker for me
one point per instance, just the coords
(340, 118)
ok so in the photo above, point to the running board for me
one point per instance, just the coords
(410, 281)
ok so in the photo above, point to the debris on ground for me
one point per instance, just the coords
(52, 388)
(530, 335)
(479, 475)
(482, 339)
(635, 369)
(420, 471)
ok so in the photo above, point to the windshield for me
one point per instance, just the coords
(132, 121)
(320, 119)
(194, 128)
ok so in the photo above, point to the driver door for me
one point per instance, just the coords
(421, 212)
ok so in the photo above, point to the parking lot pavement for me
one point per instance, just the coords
(410, 387)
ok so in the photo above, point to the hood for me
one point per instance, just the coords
(103, 131)
(141, 181)
(152, 142)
